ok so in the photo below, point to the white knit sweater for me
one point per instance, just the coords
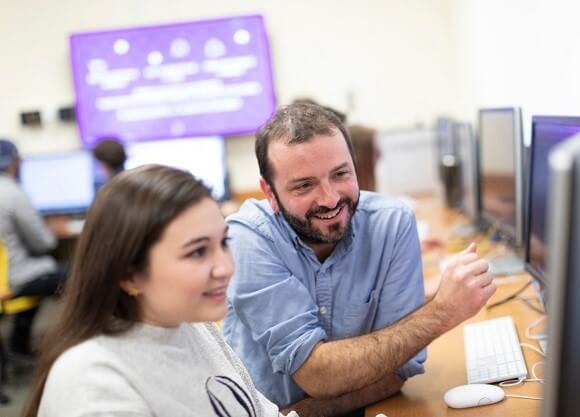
(152, 371)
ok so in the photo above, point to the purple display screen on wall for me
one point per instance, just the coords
(202, 78)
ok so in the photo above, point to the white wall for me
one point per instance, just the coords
(386, 62)
(519, 52)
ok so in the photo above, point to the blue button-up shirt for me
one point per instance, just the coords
(283, 301)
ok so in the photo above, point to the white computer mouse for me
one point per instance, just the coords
(473, 395)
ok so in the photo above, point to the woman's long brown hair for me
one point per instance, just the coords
(126, 219)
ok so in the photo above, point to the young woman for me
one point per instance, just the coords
(151, 269)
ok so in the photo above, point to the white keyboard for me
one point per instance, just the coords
(492, 351)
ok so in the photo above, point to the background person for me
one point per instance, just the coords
(111, 155)
(28, 239)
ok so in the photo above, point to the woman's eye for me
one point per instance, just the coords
(198, 253)
(226, 242)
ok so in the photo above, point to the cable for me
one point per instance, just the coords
(512, 383)
(531, 306)
(535, 378)
(535, 349)
(533, 324)
(525, 397)
(521, 380)
(509, 297)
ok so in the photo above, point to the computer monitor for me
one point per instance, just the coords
(547, 132)
(468, 157)
(204, 157)
(563, 269)
(501, 172)
(60, 183)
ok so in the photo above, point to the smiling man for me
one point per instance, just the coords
(326, 305)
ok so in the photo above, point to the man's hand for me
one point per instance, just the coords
(466, 285)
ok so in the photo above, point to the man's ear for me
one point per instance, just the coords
(269, 193)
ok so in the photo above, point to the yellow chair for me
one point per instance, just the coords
(8, 303)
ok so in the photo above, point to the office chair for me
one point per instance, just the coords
(9, 305)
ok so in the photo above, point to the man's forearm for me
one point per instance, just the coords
(341, 366)
(344, 404)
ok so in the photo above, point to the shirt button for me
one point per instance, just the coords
(323, 310)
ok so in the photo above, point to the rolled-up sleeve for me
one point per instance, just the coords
(271, 302)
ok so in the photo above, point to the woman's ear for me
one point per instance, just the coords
(131, 285)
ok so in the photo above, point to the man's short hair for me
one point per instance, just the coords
(8, 154)
(296, 123)
(308, 100)
(112, 153)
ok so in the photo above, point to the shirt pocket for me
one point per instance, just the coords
(356, 318)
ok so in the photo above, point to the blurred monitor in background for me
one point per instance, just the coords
(204, 157)
(501, 170)
(467, 151)
(59, 183)
(449, 162)
(501, 162)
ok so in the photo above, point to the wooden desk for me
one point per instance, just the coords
(422, 395)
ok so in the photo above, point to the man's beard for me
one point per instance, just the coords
(311, 234)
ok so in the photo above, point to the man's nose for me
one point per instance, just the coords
(328, 196)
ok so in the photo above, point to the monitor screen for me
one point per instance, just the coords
(547, 132)
(204, 157)
(563, 267)
(59, 183)
(501, 171)
(202, 78)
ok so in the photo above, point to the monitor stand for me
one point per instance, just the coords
(508, 259)
(506, 265)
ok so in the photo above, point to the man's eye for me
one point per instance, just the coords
(304, 186)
